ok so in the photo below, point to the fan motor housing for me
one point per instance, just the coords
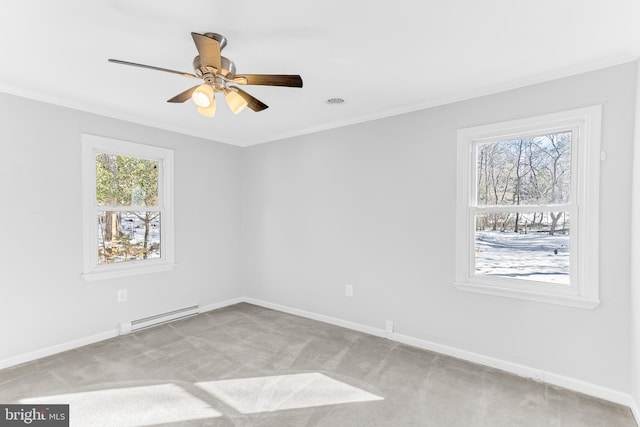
(227, 67)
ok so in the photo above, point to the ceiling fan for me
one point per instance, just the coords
(217, 72)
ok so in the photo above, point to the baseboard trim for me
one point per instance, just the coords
(221, 304)
(589, 388)
(514, 368)
(635, 409)
(519, 369)
(319, 317)
(59, 348)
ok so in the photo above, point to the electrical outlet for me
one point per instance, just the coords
(348, 290)
(122, 295)
(389, 327)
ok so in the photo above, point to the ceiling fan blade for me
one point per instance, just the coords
(254, 103)
(290, 80)
(208, 49)
(151, 67)
(184, 96)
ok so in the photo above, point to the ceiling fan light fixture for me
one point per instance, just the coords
(203, 96)
(235, 102)
(209, 111)
(217, 71)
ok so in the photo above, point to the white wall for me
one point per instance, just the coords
(373, 205)
(43, 300)
(635, 261)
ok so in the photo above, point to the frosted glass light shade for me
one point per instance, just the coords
(203, 95)
(235, 101)
(209, 111)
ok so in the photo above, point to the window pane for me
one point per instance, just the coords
(531, 246)
(126, 181)
(529, 171)
(128, 236)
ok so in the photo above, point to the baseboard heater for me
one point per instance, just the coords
(158, 319)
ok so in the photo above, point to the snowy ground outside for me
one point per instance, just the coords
(530, 256)
(134, 229)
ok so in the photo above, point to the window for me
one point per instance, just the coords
(128, 208)
(527, 208)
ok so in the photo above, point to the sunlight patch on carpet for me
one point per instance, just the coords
(130, 406)
(280, 392)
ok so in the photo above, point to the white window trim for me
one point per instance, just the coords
(584, 289)
(91, 145)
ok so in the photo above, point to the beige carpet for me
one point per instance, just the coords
(249, 366)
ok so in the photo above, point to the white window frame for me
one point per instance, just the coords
(583, 291)
(92, 144)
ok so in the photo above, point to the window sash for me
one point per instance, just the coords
(91, 145)
(575, 147)
(128, 208)
(523, 208)
(582, 207)
(525, 284)
(135, 154)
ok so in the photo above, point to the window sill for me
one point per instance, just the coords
(126, 271)
(558, 299)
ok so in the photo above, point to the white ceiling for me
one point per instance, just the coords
(382, 57)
